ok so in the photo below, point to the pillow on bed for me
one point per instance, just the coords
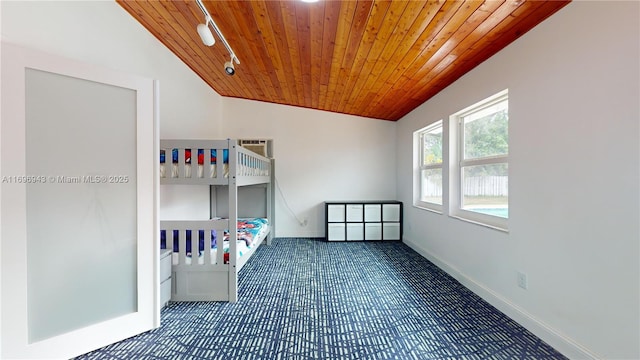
(225, 156)
(187, 156)
(214, 158)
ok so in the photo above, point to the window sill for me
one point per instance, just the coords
(437, 211)
(490, 226)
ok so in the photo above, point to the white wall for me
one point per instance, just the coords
(319, 156)
(574, 182)
(1, 337)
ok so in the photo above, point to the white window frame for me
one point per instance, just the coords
(457, 163)
(419, 166)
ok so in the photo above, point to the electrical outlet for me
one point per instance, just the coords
(522, 280)
(304, 222)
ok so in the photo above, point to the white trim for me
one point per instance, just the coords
(490, 221)
(487, 220)
(489, 160)
(551, 336)
(484, 103)
(457, 162)
(156, 202)
(428, 209)
(0, 194)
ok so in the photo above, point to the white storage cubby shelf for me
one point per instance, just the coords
(363, 220)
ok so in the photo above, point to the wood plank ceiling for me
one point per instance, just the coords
(378, 59)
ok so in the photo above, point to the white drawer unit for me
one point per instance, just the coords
(363, 220)
(391, 231)
(372, 212)
(336, 231)
(165, 276)
(354, 212)
(355, 231)
(391, 212)
(335, 213)
(373, 231)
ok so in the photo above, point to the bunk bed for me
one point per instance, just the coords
(208, 254)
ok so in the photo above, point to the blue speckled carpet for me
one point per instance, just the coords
(311, 299)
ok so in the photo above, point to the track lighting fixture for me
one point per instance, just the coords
(228, 68)
(207, 38)
(205, 34)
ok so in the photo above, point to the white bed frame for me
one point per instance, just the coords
(195, 281)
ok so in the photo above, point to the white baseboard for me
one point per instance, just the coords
(557, 340)
(299, 234)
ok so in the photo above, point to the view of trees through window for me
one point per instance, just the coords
(486, 136)
(431, 167)
(484, 166)
(477, 167)
(432, 147)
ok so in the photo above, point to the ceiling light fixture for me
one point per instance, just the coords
(207, 38)
(228, 68)
(205, 33)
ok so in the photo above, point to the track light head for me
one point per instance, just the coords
(229, 69)
(205, 34)
(208, 39)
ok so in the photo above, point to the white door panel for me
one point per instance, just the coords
(78, 203)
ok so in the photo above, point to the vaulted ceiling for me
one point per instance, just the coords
(378, 59)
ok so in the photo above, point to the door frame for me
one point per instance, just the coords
(14, 342)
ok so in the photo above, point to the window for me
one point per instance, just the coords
(479, 170)
(429, 170)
